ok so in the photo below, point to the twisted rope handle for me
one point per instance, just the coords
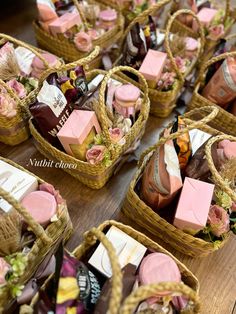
(192, 125)
(116, 279)
(36, 227)
(81, 13)
(145, 292)
(25, 45)
(227, 10)
(167, 39)
(81, 62)
(142, 17)
(213, 60)
(144, 111)
(216, 176)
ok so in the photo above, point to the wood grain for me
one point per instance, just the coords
(88, 208)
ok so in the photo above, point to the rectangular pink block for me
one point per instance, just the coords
(194, 204)
(205, 15)
(64, 23)
(77, 128)
(153, 65)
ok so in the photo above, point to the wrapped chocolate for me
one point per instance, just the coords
(129, 278)
(198, 167)
(150, 34)
(161, 178)
(182, 143)
(221, 89)
(77, 287)
(55, 100)
(135, 47)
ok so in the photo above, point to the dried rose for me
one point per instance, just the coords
(116, 134)
(216, 32)
(7, 106)
(93, 34)
(46, 187)
(83, 42)
(181, 64)
(4, 268)
(218, 220)
(17, 87)
(95, 154)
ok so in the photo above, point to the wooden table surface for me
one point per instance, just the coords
(88, 208)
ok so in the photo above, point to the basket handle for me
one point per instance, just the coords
(141, 17)
(116, 293)
(144, 292)
(25, 45)
(227, 10)
(81, 13)
(10, 92)
(167, 39)
(192, 125)
(36, 227)
(144, 111)
(216, 176)
(81, 62)
(213, 60)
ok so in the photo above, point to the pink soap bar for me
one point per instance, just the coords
(46, 13)
(64, 23)
(205, 15)
(229, 148)
(194, 204)
(156, 268)
(41, 205)
(77, 128)
(153, 65)
(50, 58)
(108, 15)
(45, 25)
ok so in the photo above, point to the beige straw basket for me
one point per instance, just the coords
(142, 214)
(225, 121)
(163, 103)
(15, 130)
(67, 49)
(180, 28)
(46, 241)
(96, 176)
(190, 286)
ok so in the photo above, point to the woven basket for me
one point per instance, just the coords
(46, 240)
(96, 176)
(163, 103)
(224, 120)
(67, 49)
(15, 130)
(190, 288)
(142, 214)
(180, 28)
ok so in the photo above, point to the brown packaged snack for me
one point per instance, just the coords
(198, 166)
(221, 89)
(161, 178)
(129, 278)
(50, 112)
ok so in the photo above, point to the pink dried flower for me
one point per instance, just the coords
(17, 87)
(83, 42)
(7, 106)
(216, 32)
(95, 154)
(4, 268)
(181, 64)
(46, 187)
(218, 220)
(116, 134)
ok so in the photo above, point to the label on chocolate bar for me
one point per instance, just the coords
(53, 97)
